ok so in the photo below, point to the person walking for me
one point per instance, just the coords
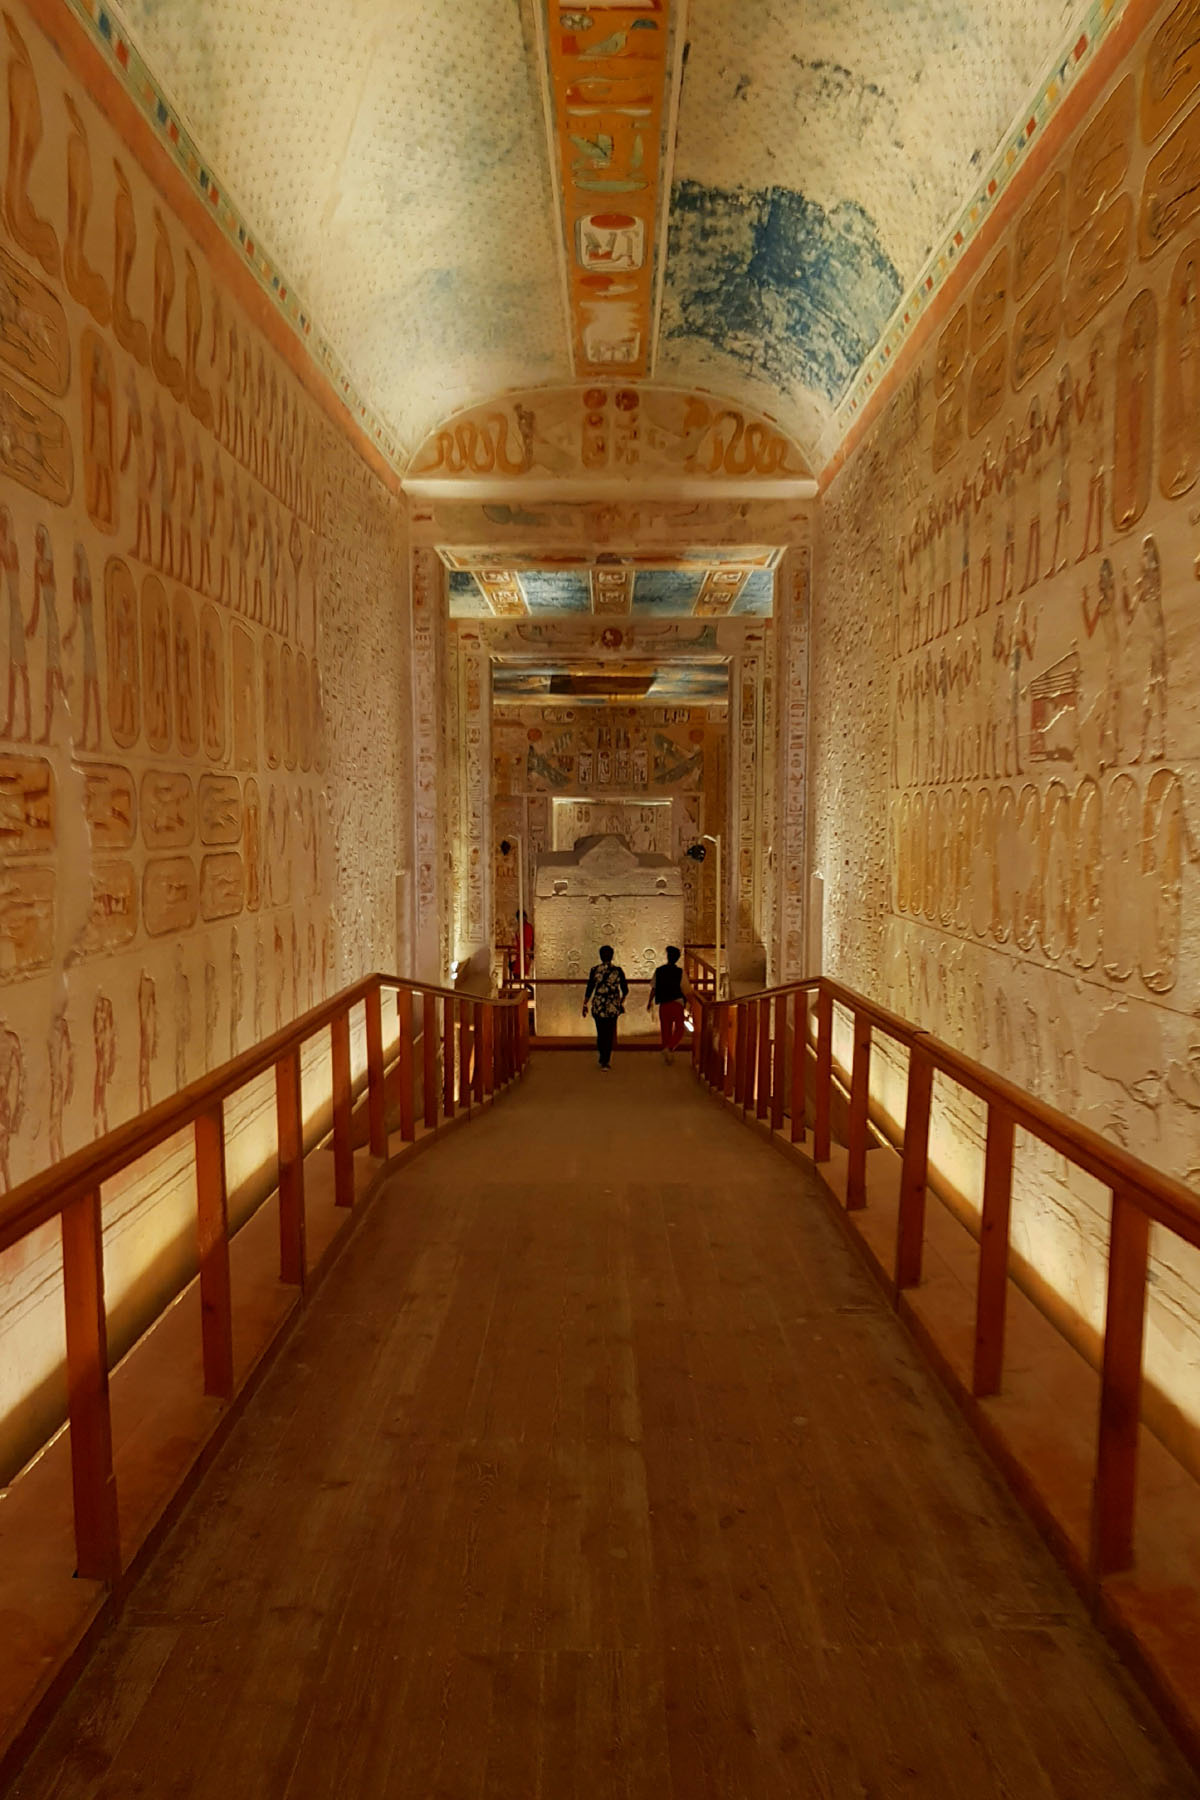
(606, 991)
(668, 991)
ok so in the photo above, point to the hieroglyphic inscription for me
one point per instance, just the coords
(1171, 187)
(26, 921)
(1179, 458)
(1101, 160)
(168, 810)
(27, 814)
(222, 885)
(112, 910)
(220, 806)
(245, 699)
(109, 805)
(1133, 433)
(35, 447)
(989, 301)
(1099, 263)
(170, 895)
(988, 385)
(1035, 331)
(34, 340)
(1038, 236)
(121, 637)
(1172, 67)
(951, 353)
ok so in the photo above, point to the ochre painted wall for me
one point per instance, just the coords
(203, 628)
(1006, 685)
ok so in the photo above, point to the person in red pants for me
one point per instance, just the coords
(668, 993)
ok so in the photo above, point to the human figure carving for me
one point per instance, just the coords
(83, 616)
(61, 1059)
(100, 431)
(237, 993)
(45, 606)
(1105, 613)
(84, 283)
(104, 1041)
(30, 231)
(1147, 597)
(220, 587)
(12, 1099)
(160, 471)
(147, 1038)
(183, 1018)
(182, 490)
(18, 662)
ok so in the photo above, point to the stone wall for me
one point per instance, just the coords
(203, 628)
(1006, 684)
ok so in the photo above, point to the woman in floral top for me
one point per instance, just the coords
(606, 991)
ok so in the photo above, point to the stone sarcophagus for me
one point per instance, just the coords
(600, 892)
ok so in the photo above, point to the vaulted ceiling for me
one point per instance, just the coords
(752, 197)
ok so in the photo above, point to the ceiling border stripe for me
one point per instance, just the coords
(611, 73)
(107, 33)
(1073, 78)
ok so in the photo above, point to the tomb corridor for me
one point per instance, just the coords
(488, 482)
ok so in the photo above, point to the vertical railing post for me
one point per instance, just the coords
(376, 1097)
(464, 1054)
(860, 1095)
(93, 1483)
(991, 1294)
(477, 1064)
(744, 1043)
(822, 1098)
(404, 1063)
(488, 1038)
(779, 1071)
(799, 1057)
(762, 1062)
(429, 1058)
(523, 1031)
(448, 1057)
(212, 1223)
(731, 1015)
(343, 1148)
(289, 1124)
(914, 1169)
(1114, 1496)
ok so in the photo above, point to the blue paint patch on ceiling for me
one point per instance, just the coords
(666, 593)
(758, 595)
(791, 293)
(465, 596)
(552, 591)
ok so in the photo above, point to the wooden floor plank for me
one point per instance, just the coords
(599, 1468)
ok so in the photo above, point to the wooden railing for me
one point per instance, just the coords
(745, 1050)
(470, 1048)
(700, 971)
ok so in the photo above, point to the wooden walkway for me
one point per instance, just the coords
(598, 1468)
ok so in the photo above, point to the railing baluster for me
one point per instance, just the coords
(991, 1294)
(1114, 1496)
(488, 1040)
(762, 1061)
(464, 1054)
(289, 1125)
(93, 1483)
(732, 1027)
(404, 1063)
(747, 1045)
(822, 1099)
(212, 1222)
(477, 1071)
(343, 1148)
(779, 1071)
(914, 1170)
(799, 1057)
(448, 1057)
(376, 1097)
(429, 1052)
(856, 1133)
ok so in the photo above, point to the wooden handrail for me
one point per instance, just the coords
(741, 1051)
(43, 1196)
(489, 1049)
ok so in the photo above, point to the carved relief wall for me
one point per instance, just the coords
(599, 758)
(1006, 677)
(202, 628)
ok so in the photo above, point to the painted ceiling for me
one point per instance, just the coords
(697, 584)
(754, 198)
